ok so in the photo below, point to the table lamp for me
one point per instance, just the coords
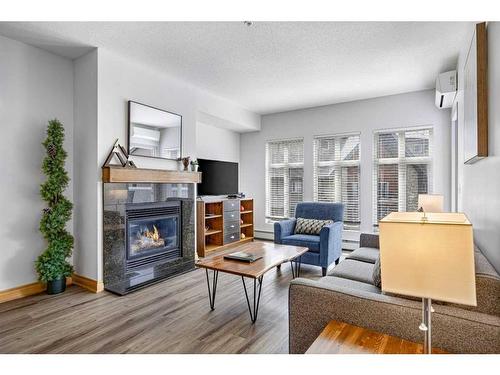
(430, 203)
(430, 259)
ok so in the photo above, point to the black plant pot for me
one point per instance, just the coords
(56, 286)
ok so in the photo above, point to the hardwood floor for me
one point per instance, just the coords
(170, 317)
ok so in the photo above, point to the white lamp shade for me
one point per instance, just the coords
(431, 202)
(428, 259)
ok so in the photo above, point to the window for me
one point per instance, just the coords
(336, 174)
(402, 170)
(284, 177)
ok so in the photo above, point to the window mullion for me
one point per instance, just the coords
(337, 172)
(401, 172)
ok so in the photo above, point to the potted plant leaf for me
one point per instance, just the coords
(52, 265)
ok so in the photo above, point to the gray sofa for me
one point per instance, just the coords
(348, 295)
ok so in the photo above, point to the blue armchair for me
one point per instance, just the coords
(323, 249)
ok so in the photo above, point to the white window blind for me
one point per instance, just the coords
(337, 172)
(402, 170)
(284, 177)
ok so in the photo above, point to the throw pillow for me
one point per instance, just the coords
(377, 275)
(310, 226)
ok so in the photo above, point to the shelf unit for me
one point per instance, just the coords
(246, 217)
(225, 220)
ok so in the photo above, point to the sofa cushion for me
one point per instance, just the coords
(310, 226)
(306, 240)
(365, 254)
(333, 281)
(369, 240)
(377, 274)
(487, 287)
(354, 270)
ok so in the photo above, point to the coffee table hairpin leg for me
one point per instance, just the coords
(211, 292)
(254, 310)
(296, 271)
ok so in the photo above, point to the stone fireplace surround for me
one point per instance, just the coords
(119, 276)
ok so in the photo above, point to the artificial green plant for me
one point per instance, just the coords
(53, 263)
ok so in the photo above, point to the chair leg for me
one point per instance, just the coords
(337, 261)
(323, 271)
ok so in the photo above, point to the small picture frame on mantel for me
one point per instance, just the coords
(475, 128)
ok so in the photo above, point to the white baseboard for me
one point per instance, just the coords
(264, 235)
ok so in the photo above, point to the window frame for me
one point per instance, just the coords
(402, 161)
(337, 165)
(286, 166)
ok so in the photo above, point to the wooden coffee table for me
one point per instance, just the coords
(272, 254)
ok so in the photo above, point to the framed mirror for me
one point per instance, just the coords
(153, 132)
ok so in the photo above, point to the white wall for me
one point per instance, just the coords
(86, 176)
(35, 87)
(216, 143)
(365, 116)
(118, 80)
(479, 183)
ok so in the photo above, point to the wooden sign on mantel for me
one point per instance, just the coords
(119, 174)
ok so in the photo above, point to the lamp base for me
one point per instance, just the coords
(425, 326)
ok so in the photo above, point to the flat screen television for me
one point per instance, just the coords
(218, 177)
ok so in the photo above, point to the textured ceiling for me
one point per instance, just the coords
(270, 66)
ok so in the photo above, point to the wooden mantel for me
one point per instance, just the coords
(141, 175)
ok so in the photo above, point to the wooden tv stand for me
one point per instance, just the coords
(229, 222)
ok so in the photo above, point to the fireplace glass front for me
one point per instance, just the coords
(153, 231)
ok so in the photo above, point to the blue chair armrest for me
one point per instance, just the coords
(330, 243)
(283, 228)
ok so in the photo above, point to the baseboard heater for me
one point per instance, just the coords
(268, 235)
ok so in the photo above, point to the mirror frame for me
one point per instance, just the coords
(128, 132)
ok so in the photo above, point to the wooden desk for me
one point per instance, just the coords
(343, 338)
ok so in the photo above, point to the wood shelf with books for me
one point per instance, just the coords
(217, 222)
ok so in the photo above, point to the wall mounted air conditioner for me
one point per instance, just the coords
(446, 89)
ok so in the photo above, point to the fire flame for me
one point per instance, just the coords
(154, 235)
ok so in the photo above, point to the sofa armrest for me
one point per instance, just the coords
(313, 304)
(369, 240)
(283, 228)
(330, 247)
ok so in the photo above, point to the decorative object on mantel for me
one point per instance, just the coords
(194, 165)
(121, 154)
(185, 163)
(475, 88)
(52, 265)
